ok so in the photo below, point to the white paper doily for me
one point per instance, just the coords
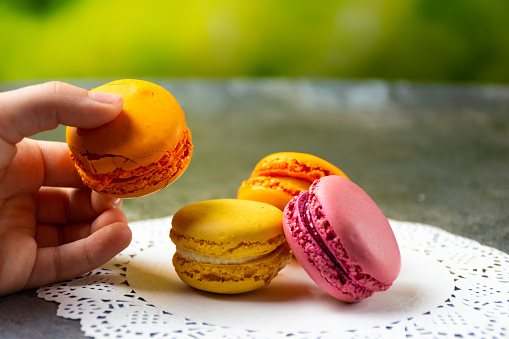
(449, 287)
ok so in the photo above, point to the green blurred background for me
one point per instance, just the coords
(420, 40)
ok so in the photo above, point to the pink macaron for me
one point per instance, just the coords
(342, 239)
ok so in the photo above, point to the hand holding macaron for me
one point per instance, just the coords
(59, 214)
(52, 227)
(143, 150)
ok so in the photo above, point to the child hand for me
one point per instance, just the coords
(52, 227)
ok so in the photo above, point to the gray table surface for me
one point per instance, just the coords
(431, 153)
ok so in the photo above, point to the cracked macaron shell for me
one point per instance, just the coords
(142, 180)
(228, 228)
(150, 124)
(144, 149)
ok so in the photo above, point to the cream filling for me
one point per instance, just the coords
(206, 259)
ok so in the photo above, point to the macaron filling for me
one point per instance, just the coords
(207, 259)
(342, 239)
(232, 278)
(306, 218)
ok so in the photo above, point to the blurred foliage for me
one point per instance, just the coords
(424, 40)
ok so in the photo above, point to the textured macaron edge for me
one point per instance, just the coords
(315, 261)
(298, 165)
(356, 229)
(330, 264)
(233, 278)
(137, 182)
(269, 190)
(234, 249)
(269, 183)
(355, 271)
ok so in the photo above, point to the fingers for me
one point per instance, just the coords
(7, 153)
(33, 109)
(16, 258)
(78, 257)
(63, 206)
(48, 235)
(29, 110)
(36, 164)
(59, 168)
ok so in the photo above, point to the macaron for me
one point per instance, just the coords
(144, 149)
(342, 239)
(279, 177)
(229, 246)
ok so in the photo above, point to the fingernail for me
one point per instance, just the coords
(117, 203)
(104, 97)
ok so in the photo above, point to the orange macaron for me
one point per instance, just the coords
(279, 177)
(144, 149)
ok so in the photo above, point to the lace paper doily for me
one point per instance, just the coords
(449, 286)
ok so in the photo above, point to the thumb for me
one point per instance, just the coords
(33, 109)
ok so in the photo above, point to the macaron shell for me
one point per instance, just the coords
(228, 228)
(133, 188)
(294, 164)
(232, 279)
(144, 149)
(358, 225)
(315, 261)
(277, 191)
(140, 181)
(150, 124)
(349, 249)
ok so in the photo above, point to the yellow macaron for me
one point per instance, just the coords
(229, 246)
